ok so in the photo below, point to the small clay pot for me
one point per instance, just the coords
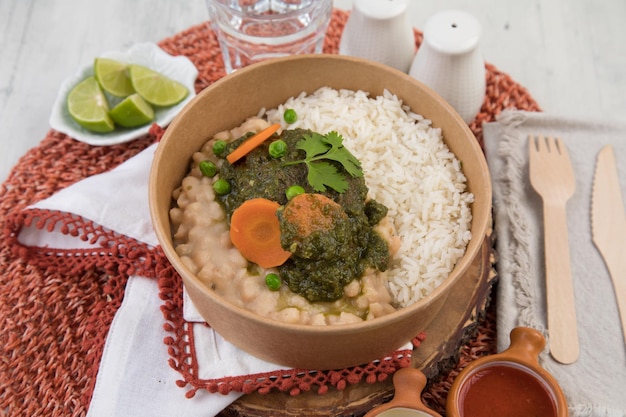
(407, 400)
(508, 382)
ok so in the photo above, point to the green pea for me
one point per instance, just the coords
(219, 146)
(208, 168)
(290, 116)
(221, 187)
(278, 148)
(272, 281)
(293, 191)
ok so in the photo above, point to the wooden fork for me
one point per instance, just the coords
(551, 175)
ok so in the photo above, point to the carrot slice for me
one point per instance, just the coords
(247, 146)
(312, 212)
(255, 231)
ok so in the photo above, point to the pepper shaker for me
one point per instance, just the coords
(380, 30)
(450, 61)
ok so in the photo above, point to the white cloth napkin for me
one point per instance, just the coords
(134, 378)
(595, 384)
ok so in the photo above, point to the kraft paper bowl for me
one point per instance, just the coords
(227, 103)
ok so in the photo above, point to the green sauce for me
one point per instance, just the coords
(325, 261)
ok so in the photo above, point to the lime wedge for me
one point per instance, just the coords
(156, 88)
(113, 77)
(133, 111)
(88, 106)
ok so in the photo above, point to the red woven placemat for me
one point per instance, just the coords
(54, 322)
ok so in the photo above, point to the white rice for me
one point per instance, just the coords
(409, 169)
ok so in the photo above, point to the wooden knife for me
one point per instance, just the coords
(608, 225)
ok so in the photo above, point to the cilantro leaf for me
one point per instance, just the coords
(319, 147)
(323, 174)
(313, 145)
(342, 155)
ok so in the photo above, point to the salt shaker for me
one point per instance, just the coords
(380, 30)
(450, 61)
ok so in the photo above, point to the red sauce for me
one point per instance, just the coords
(504, 390)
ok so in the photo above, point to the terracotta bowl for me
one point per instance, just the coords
(407, 399)
(227, 103)
(510, 383)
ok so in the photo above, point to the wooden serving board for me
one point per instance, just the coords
(456, 324)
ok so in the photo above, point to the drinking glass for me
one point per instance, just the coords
(250, 31)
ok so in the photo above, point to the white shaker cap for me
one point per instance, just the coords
(381, 9)
(452, 32)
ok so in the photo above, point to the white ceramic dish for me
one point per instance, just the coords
(179, 68)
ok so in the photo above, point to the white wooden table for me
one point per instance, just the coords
(569, 54)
